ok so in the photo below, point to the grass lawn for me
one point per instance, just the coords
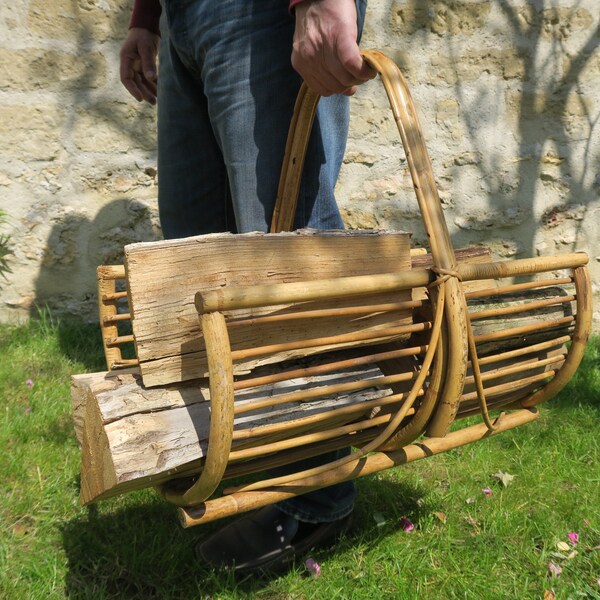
(466, 543)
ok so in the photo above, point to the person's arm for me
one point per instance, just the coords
(325, 50)
(139, 50)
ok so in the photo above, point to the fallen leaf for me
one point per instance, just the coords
(440, 516)
(563, 546)
(549, 595)
(558, 555)
(470, 500)
(554, 570)
(379, 519)
(20, 529)
(572, 555)
(474, 523)
(504, 478)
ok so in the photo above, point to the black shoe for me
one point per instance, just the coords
(267, 540)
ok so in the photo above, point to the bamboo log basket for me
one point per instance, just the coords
(382, 361)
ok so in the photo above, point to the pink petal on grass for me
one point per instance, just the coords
(487, 491)
(554, 570)
(29, 383)
(406, 524)
(313, 567)
(573, 537)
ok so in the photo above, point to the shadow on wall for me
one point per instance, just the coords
(543, 83)
(76, 246)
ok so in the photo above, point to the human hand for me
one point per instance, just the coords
(325, 50)
(138, 64)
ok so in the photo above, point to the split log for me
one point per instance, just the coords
(134, 437)
(163, 278)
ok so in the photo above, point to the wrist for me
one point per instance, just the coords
(294, 3)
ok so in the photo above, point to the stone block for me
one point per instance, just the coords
(81, 21)
(504, 63)
(557, 22)
(115, 127)
(51, 70)
(440, 16)
(30, 133)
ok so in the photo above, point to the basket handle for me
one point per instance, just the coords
(409, 128)
(440, 244)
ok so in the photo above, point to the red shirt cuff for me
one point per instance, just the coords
(146, 15)
(293, 3)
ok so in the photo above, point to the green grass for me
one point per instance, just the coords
(464, 545)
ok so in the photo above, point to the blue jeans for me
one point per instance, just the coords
(225, 98)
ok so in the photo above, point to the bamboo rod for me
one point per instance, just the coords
(523, 330)
(346, 338)
(126, 362)
(511, 385)
(516, 287)
(524, 350)
(244, 501)
(347, 311)
(117, 341)
(388, 431)
(520, 368)
(114, 296)
(523, 307)
(234, 298)
(329, 367)
(286, 457)
(111, 272)
(106, 285)
(583, 327)
(220, 367)
(310, 438)
(326, 390)
(115, 318)
(320, 418)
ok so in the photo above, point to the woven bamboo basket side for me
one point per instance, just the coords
(451, 360)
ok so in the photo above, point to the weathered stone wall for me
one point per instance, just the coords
(508, 93)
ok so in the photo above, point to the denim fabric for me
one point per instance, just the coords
(226, 94)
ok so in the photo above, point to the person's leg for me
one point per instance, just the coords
(193, 194)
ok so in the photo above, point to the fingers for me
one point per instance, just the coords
(325, 52)
(138, 64)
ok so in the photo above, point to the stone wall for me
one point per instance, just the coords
(508, 93)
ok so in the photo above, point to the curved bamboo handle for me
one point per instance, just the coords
(405, 115)
(419, 163)
(220, 435)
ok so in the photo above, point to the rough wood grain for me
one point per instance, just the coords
(163, 278)
(135, 437)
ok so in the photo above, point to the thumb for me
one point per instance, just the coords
(351, 59)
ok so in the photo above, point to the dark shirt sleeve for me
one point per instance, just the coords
(146, 14)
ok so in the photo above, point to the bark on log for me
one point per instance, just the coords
(134, 437)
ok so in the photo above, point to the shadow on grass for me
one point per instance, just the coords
(584, 387)
(82, 343)
(140, 551)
